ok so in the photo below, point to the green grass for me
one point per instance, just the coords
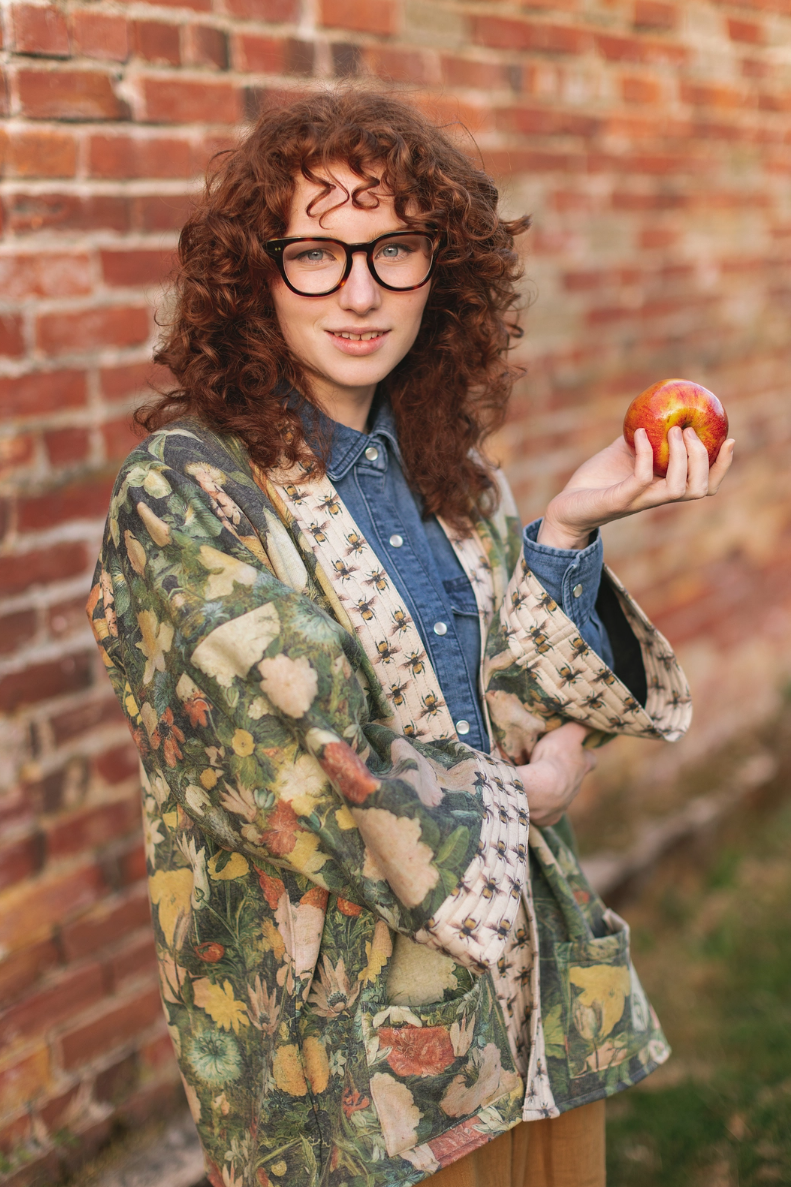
(713, 948)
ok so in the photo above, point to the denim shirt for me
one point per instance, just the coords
(366, 470)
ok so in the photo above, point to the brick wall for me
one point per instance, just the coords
(651, 142)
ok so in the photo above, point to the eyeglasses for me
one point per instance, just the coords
(316, 267)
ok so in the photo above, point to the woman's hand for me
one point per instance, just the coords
(555, 772)
(618, 482)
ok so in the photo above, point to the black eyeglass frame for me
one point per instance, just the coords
(275, 248)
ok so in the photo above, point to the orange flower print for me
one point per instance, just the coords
(280, 835)
(417, 1051)
(197, 708)
(352, 1102)
(315, 897)
(272, 888)
(169, 735)
(347, 908)
(462, 1139)
(348, 771)
(209, 951)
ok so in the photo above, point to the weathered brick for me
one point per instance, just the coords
(67, 445)
(111, 1028)
(23, 1078)
(141, 267)
(65, 617)
(641, 90)
(650, 14)
(39, 152)
(137, 958)
(20, 857)
(41, 392)
(381, 18)
(157, 42)
(100, 35)
(29, 212)
(160, 212)
(86, 717)
(118, 764)
(118, 383)
(745, 31)
(40, 682)
(16, 630)
(40, 30)
(106, 924)
(275, 11)
(44, 274)
(207, 45)
(257, 52)
(20, 971)
(85, 498)
(69, 95)
(66, 995)
(538, 37)
(177, 100)
(12, 343)
(30, 913)
(119, 437)
(91, 827)
(122, 156)
(20, 572)
(116, 1082)
(89, 329)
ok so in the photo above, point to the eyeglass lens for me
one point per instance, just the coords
(317, 266)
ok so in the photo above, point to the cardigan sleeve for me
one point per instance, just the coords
(250, 705)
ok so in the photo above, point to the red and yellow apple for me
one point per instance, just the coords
(676, 402)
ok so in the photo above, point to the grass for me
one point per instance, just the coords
(713, 949)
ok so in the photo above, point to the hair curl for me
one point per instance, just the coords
(224, 345)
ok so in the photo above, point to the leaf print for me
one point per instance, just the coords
(214, 1056)
(331, 994)
(600, 1005)
(399, 1116)
(280, 834)
(230, 650)
(171, 891)
(220, 1004)
(349, 772)
(263, 1010)
(226, 571)
(156, 641)
(291, 684)
(287, 1071)
(239, 800)
(156, 484)
(405, 861)
(317, 1068)
(417, 1051)
(273, 888)
(157, 529)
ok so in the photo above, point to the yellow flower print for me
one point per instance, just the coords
(378, 951)
(170, 892)
(209, 778)
(273, 941)
(287, 1070)
(604, 991)
(317, 1067)
(225, 571)
(235, 867)
(157, 639)
(242, 743)
(220, 1004)
(130, 704)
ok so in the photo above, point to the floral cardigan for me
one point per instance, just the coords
(364, 975)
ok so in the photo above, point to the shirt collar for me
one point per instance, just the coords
(348, 445)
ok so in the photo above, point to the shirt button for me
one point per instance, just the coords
(440, 628)
(462, 727)
(577, 591)
(396, 541)
(372, 453)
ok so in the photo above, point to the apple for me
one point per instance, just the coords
(676, 402)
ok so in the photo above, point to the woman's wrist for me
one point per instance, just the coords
(561, 536)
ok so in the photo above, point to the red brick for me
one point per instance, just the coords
(20, 572)
(15, 631)
(100, 35)
(106, 924)
(254, 52)
(36, 152)
(745, 31)
(31, 912)
(87, 498)
(131, 865)
(378, 18)
(117, 765)
(157, 1052)
(196, 5)
(184, 101)
(40, 30)
(21, 970)
(63, 618)
(502, 33)
(207, 46)
(16, 453)
(66, 212)
(396, 65)
(12, 343)
(161, 212)
(112, 1028)
(65, 784)
(40, 682)
(711, 95)
(277, 11)
(119, 436)
(44, 274)
(64, 997)
(545, 121)
(142, 267)
(157, 42)
(116, 1082)
(91, 827)
(41, 392)
(641, 90)
(85, 718)
(117, 156)
(68, 95)
(23, 1079)
(649, 14)
(119, 383)
(20, 858)
(58, 1110)
(89, 329)
(67, 445)
(137, 958)
(465, 72)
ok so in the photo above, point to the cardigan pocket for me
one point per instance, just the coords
(430, 1067)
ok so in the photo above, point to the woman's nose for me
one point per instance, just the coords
(361, 293)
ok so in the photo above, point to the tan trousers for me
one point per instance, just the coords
(565, 1151)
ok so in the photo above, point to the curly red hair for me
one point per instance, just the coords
(224, 346)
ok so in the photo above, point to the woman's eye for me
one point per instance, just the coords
(392, 251)
(314, 256)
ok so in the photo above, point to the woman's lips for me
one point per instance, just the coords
(357, 346)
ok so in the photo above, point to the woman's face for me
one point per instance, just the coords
(350, 340)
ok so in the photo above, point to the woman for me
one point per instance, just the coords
(337, 655)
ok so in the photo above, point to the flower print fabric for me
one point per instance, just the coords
(297, 837)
